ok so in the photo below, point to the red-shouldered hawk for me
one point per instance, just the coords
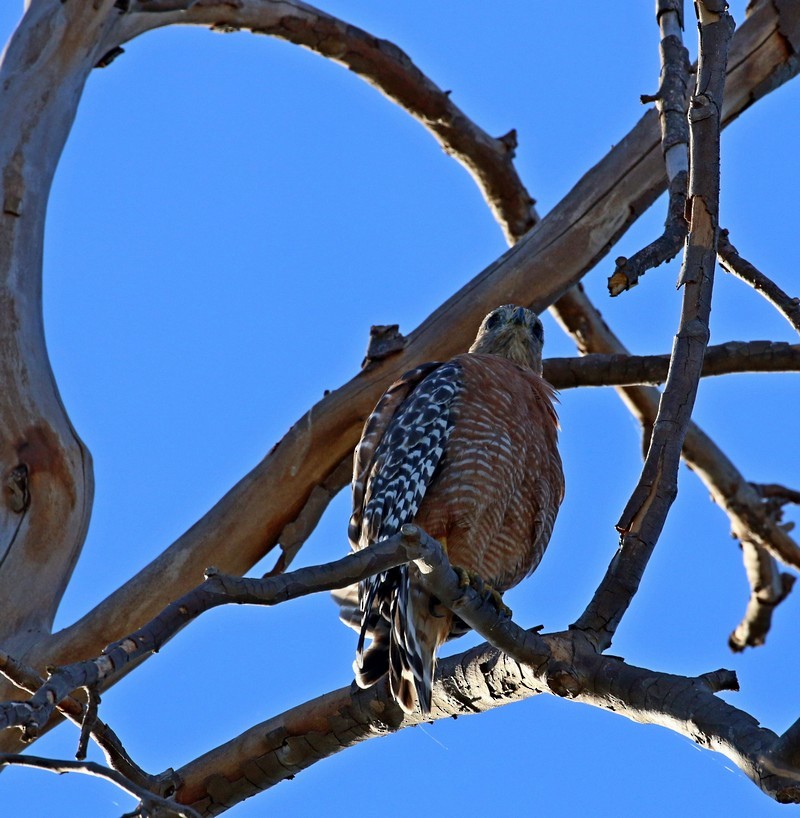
(468, 451)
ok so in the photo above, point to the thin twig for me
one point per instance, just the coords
(117, 757)
(222, 589)
(150, 806)
(774, 491)
(733, 263)
(89, 719)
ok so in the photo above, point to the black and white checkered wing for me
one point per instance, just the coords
(403, 443)
(405, 456)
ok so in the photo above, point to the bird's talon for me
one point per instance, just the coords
(496, 598)
(464, 576)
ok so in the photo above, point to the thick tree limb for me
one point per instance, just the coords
(46, 471)
(733, 263)
(479, 680)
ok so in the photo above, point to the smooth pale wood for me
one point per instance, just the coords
(42, 74)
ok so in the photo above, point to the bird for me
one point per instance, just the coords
(468, 451)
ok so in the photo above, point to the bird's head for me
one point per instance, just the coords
(514, 333)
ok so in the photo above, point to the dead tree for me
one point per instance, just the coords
(47, 470)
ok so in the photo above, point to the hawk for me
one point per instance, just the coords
(467, 450)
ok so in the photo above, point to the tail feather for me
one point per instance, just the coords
(372, 664)
(396, 614)
(410, 665)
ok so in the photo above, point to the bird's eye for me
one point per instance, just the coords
(493, 319)
(537, 330)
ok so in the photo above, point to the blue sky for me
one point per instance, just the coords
(230, 215)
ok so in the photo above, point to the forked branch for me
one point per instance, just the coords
(222, 589)
(643, 518)
(671, 100)
(150, 804)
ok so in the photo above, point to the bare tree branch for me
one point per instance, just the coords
(383, 65)
(644, 516)
(477, 681)
(768, 588)
(671, 101)
(220, 589)
(150, 804)
(750, 518)
(733, 263)
(563, 680)
(617, 369)
(26, 678)
(294, 534)
(45, 469)
(785, 754)
(781, 495)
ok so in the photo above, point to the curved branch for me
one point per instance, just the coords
(384, 66)
(768, 588)
(46, 471)
(480, 680)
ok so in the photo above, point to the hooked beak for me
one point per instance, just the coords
(518, 317)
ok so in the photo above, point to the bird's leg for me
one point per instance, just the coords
(491, 594)
(472, 579)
